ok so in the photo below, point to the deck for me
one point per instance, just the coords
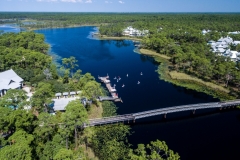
(112, 90)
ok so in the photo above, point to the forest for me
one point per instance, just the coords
(36, 133)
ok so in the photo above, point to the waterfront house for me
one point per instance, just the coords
(9, 80)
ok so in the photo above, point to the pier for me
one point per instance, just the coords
(114, 96)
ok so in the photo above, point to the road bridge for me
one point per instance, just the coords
(161, 111)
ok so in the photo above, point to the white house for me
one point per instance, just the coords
(9, 80)
(235, 32)
(205, 31)
(130, 31)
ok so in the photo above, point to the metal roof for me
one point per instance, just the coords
(9, 80)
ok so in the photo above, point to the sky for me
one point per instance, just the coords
(120, 5)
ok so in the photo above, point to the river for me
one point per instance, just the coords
(209, 134)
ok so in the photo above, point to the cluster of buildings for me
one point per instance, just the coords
(130, 31)
(10, 80)
(222, 48)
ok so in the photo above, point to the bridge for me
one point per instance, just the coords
(161, 111)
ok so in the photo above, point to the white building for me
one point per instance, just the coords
(9, 80)
(221, 48)
(130, 31)
(205, 31)
(235, 32)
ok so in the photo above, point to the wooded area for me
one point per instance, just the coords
(37, 134)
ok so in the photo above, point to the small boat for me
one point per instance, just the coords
(127, 75)
(138, 82)
(141, 73)
(115, 78)
(123, 85)
(119, 79)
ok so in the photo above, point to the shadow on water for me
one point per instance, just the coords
(208, 134)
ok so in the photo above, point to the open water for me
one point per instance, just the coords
(208, 134)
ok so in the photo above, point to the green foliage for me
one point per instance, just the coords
(20, 147)
(109, 142)
(64, 154)
(109, 109)
(14, 97)
(42, 96)
(155, 150)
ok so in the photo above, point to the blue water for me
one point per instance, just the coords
(206, 135)
(10, 28)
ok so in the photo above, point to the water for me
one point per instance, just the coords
(208, 134)
(10, 28)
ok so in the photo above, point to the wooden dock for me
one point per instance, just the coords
(112, 90)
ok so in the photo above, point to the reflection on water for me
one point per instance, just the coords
(208, 134)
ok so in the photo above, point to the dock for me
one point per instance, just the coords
(112, 90)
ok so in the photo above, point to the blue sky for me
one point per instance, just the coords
(121, 5)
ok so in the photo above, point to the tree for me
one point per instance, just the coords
(70, 63)
(43, 96)
(20, 147)
(84, 79)
(15, 98)
(92, 90)
(64, 154)
(109, 142)
(155, 150)
(74, 118)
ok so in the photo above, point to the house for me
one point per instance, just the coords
(9, 80)
(235, 32)
(205, 31)
(130, 31)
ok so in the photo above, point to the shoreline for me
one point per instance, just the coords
(174, 77)
(185, 80)
(103, 37)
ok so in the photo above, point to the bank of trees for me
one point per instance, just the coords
(34, 133)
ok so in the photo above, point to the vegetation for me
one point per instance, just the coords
(35, 133)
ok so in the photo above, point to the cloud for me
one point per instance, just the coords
(47, 0)
(88, 1)
(121, 2)
(108, 2)
(72, 1)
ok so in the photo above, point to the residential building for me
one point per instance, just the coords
(9, 80)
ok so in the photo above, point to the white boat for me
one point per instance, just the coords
(127, 75)
(138, 82)
(123, 85)
(141, 73)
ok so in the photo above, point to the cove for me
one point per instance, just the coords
(208, 134)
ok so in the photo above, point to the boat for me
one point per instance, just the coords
(115, 78)
(141, 73)
(138, 82)
(123, 85)
(127, 75)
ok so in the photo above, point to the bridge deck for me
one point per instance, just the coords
(161, 111)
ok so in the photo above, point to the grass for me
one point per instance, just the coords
(183, 76)
(95, 112)
(153, 53)
(187, 81)
(104, 37)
